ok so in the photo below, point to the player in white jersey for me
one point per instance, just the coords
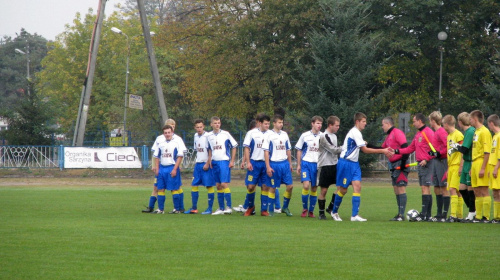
(223, 147)
(327, 163)
(254, 124)
(307, 165)
(278, 156)
(202, 173)
(153, 198)
(348, 169)
(168, 157)
(254, 155)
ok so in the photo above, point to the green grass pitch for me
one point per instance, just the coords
(94, 229)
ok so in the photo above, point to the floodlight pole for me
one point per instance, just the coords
(152, 61)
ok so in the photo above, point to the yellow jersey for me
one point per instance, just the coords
(481, 143)
(495, 153)
(455, 137)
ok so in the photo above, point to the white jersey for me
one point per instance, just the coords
(277, 143)
(221, 144)
(255, 142)
(201, 147)
(161, 138)
(352, 143)
(309, 145)
(169, 151)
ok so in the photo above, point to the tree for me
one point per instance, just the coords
(409, 77)
(13, 72)
(30, 122)
(64, 72)
(239, 56)
(340, 76)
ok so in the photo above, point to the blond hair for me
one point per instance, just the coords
(436, 116)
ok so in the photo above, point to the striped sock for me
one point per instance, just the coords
(305, 198)
(194, 197)
(356, 201)
(286, 199)
(161, 201)
(312, 200)
(227, 196)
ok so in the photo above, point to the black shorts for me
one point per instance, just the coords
(327, 176)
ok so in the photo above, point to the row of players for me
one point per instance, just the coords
(268, 160)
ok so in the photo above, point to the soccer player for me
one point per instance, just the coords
(494, 162)
(479, 170)
(421, 147)
(154, 194)
(465, 178)
(254, 155)
(202, 174)
(278, 157)
(396, 139)
(348, 169)
(327, 162)
(439, 167)
(169, 153)
(453, 178)
(307, 165)
(223, 148)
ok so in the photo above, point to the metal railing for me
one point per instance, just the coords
(53, 157)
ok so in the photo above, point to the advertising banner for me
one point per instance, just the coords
(81, 157)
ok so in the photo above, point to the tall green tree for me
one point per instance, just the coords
(13, 66)
(411, 49)
(31, 122)
(239, 56)
(341, 74)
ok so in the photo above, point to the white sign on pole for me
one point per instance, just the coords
(119, 157)
(135, 101)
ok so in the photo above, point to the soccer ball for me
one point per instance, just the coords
(412, 215)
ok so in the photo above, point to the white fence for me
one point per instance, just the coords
(53, 157)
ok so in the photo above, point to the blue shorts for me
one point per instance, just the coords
(281, 174)
(165, 181)
(309, 172)
(221, 171)
(258, 175)
(202, 177)
(347, 171)
(155, 182)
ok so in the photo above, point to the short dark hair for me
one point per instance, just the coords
(332, 120)
(359, 116)
(197, 121)
(478, 115)
(264, 117)
(277, 117)
(167, 127)
(421, 117)
(316, 118)
(494, 119)
(252, 124)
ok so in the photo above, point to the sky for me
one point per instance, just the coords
(45, 17)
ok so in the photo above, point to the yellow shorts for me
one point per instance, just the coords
(474, 174)
(453, 177)
(494, 182)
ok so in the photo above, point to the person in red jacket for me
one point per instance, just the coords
(440, 167)
(396, 139)
(421, 147)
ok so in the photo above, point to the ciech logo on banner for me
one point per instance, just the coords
(119, 157)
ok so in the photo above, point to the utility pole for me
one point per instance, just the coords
(81, 121)
(152, 61)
